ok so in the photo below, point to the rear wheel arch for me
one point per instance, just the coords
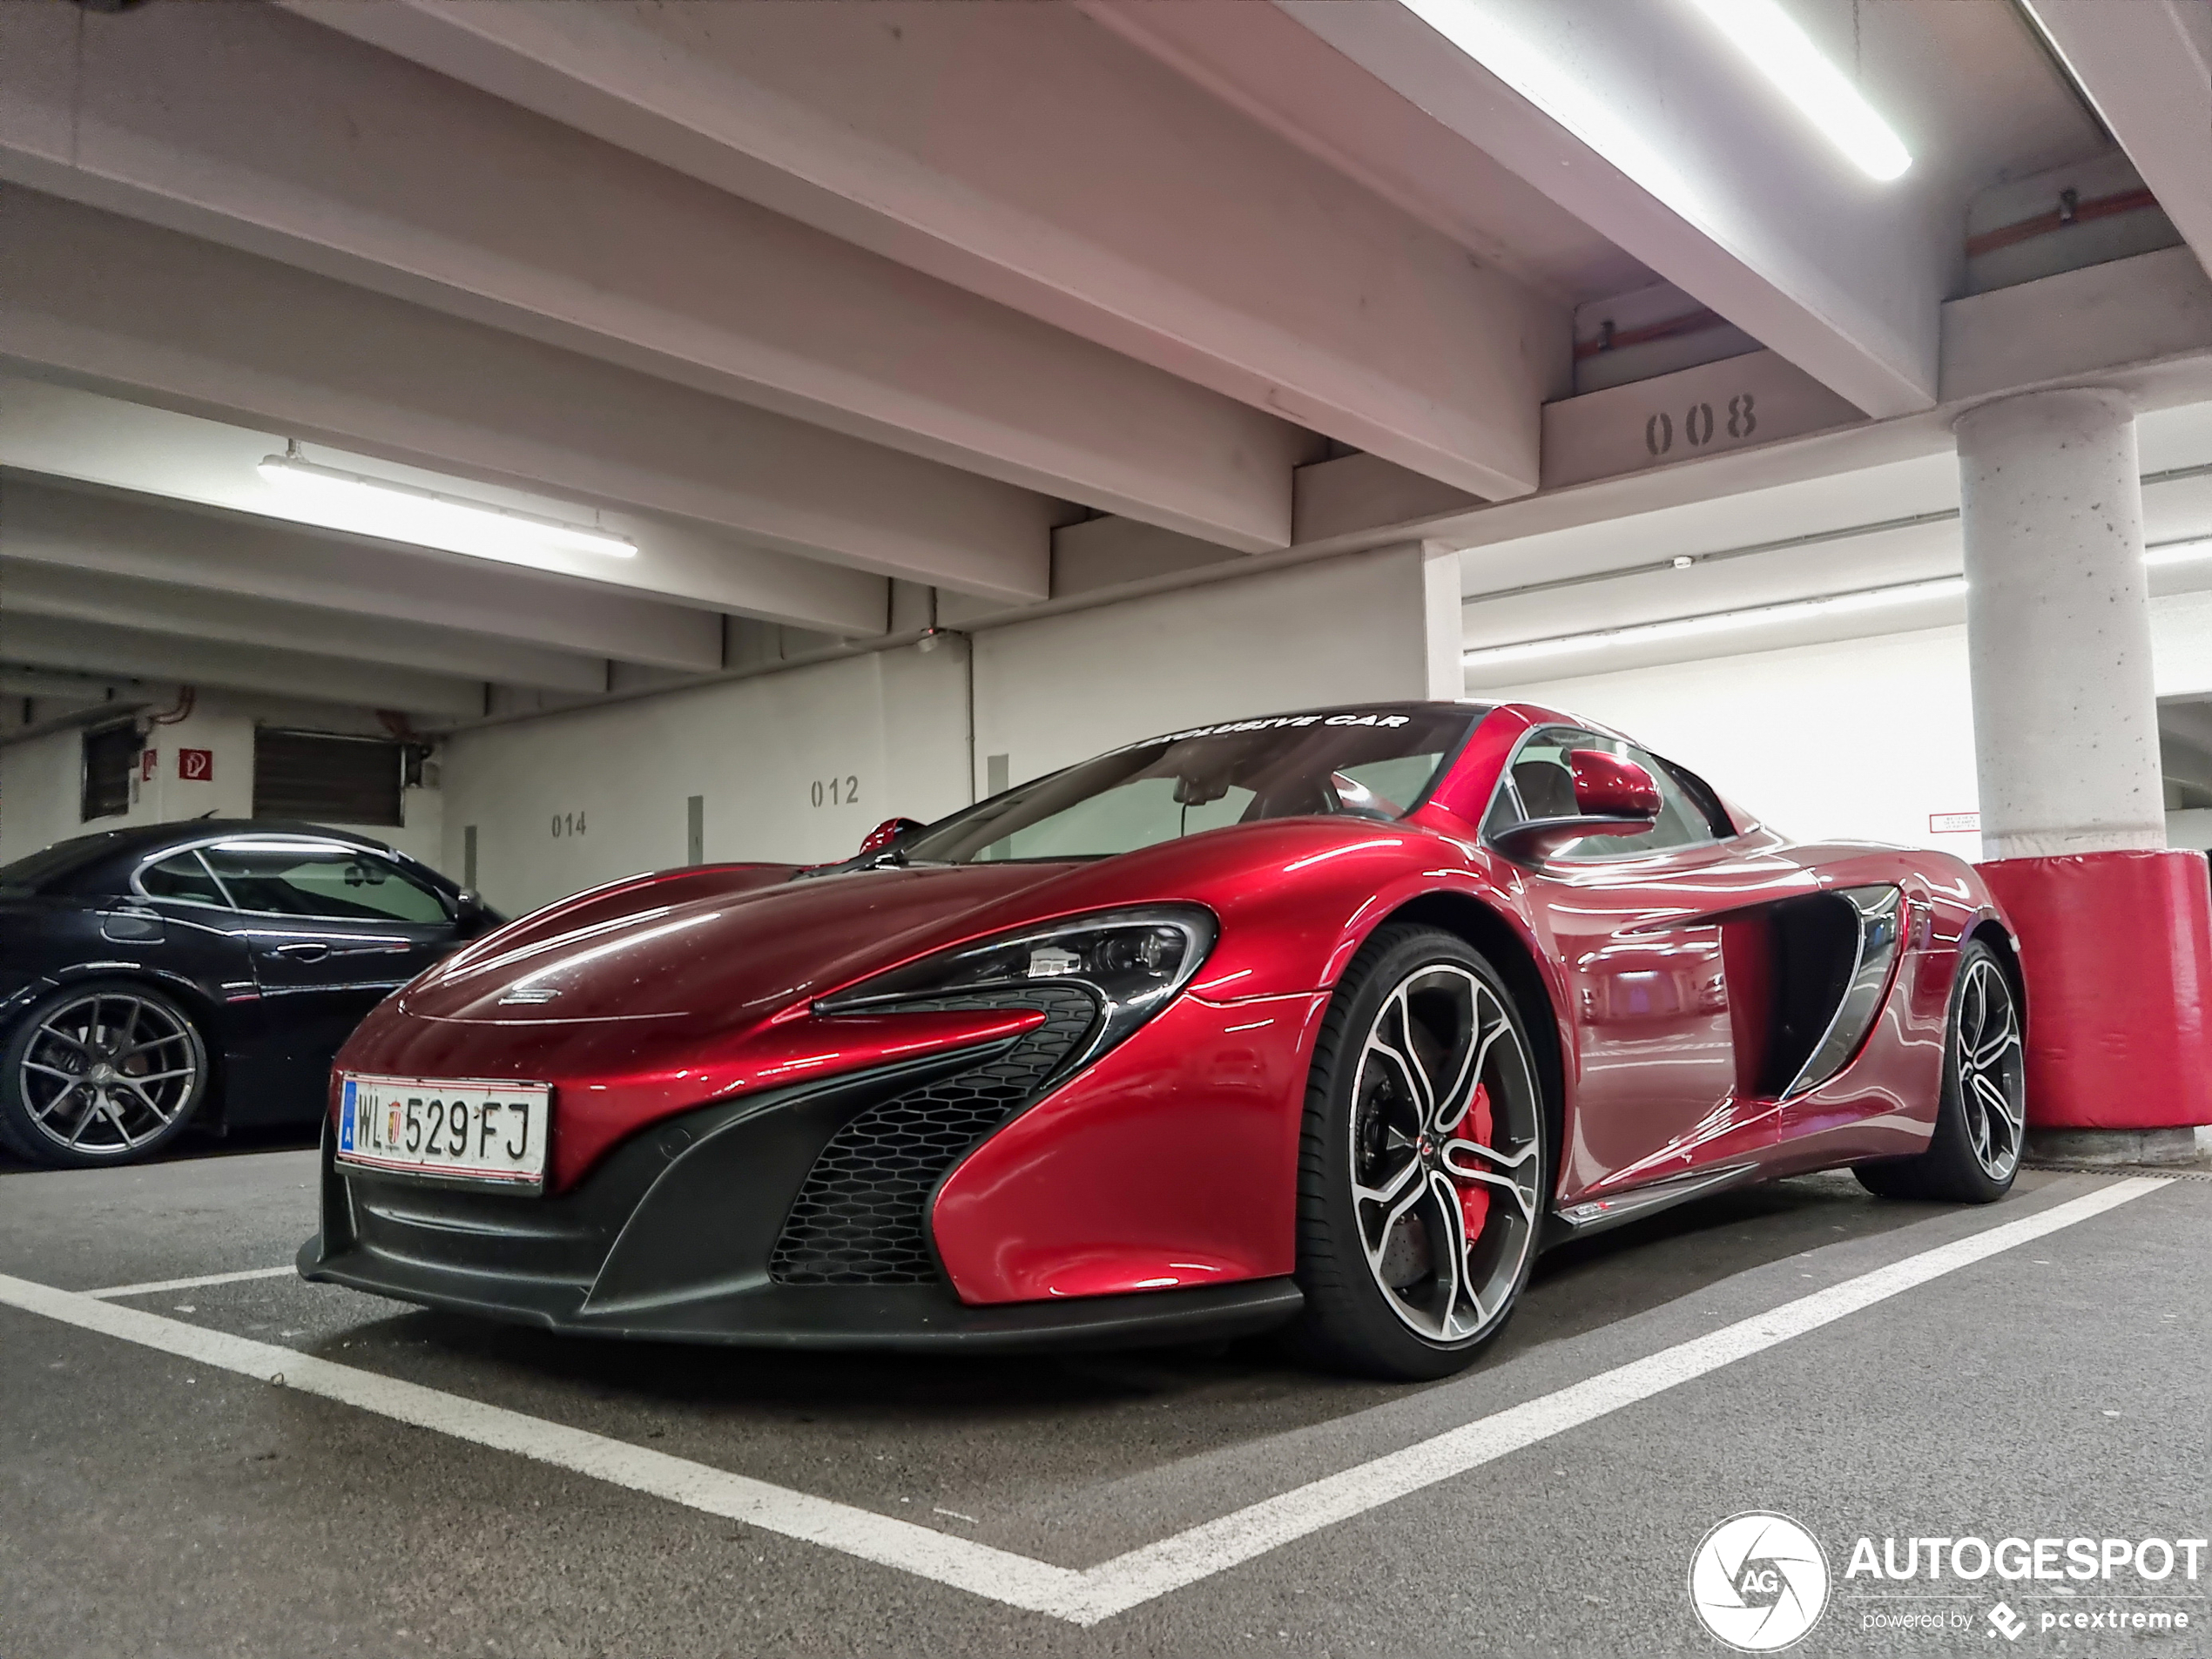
(156, 1015)
(206, 1013)
(1994, 933)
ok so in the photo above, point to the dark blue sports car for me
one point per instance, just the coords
(202, 972)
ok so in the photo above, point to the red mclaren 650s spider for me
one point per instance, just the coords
(1327, 1021)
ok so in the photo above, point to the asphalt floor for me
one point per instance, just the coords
(158, 1498)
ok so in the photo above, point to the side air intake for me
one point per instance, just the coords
(1833, 955)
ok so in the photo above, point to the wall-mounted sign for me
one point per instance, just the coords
(196, 765)
(146, 758)
(1954, 823)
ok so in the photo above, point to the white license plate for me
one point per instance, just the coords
(469, 1130)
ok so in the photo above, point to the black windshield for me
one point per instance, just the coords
(1361, 763)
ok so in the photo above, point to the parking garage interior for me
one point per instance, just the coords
(543, 444)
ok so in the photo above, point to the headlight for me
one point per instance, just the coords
(1133, 961)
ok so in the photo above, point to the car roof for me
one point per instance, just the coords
(82, 862)
(1473, 709)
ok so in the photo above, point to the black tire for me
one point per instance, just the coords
(156, 1080)
(1974, 1157)
(1362, 1118)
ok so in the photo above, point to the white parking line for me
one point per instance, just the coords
(1214, 1545)
(151, 1285)
(1088, 1596)
(918, 1549)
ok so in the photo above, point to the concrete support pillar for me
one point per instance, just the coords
(2058, 626)
(2115, 932)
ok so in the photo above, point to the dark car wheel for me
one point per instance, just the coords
(1424, 1162)
(1982, 1123)
(105, 1072)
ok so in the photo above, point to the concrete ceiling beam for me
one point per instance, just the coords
(2147, 66)
(168, 318)
(238, 561)
(1644, 124)
(263, 131)
(2142, 325)
(79, 595)
(1026, 154)
(45, 684)
(85, 647)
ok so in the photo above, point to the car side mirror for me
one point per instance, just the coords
(470, 914)
(1609, 787)
(887, 832)
(1612, 796)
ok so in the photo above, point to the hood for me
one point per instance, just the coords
(715, 953)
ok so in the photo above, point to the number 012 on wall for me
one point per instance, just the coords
(835, 792)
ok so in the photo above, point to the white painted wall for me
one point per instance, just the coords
(1857, 738)
(39, 793)
(1046, 693)
(2190, 828)
(890, 730)
(40, 777)
(1381, 626)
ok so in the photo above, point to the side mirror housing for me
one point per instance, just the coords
(1608, 786)
(1612, 796)
(471, 914)
(887, 832)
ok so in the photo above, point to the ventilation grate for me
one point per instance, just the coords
(858, 1218)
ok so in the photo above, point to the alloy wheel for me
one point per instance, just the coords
(1445, 1153)
(106, 1074)
(1992, 1094)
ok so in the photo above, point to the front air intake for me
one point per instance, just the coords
(860, 1218)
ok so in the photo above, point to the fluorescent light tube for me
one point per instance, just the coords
(401, 512)
(2194, 551)
(1722, 622)
(1785, 55)
(2179, 552)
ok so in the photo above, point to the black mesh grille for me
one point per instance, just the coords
(858, 1218)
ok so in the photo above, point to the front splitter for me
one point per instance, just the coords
(767, 1315)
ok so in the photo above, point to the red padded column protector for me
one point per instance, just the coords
(2117, 952)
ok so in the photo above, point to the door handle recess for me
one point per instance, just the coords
(306, 952)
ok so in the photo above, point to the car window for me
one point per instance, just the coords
(1138, 813)
(1703, 796)
(1372, 763)
(1540, 785)
(181, 875)
(332, 882)
(1391, 785)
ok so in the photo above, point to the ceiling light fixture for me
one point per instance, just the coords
(1782, 51)
(1722, 622)
(400, 512)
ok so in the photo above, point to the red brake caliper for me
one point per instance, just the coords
(1475, 1195)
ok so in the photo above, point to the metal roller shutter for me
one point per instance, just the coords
(326, 778)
